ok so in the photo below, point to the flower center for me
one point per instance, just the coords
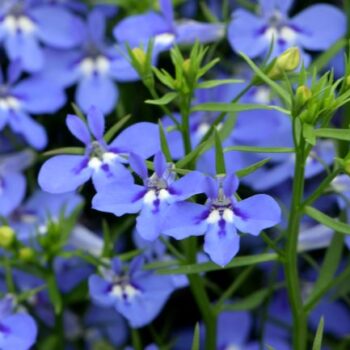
(123, 289)
(14, 24)
(94, 65)
(9, 103)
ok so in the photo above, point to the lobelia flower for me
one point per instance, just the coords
(102, 162)
(253, 34)
(12, 181)
(17, 329)
(25, 24)
(151, 200)
(221, 217)
(94, 66)
(19, 99)
(138, 295)
(33, 217)
(139, 29)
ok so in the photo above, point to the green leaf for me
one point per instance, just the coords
(219, 155)
(116, 127)
(164, 143)
(322, 60)
(337, 134)
(330, 264)
(164, 100)
(78, 111)
(251, 168)
(214, 83)
(324, 219)
(273, 85)
(209, 266)
(64, 150)
(201, 148)
(54, 293)
(196, 338)
(249, 303)
(317, 344)
(235, 107)
(253, 149)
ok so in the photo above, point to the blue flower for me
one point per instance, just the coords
(94, 66)
(253, 34)
(23, 26)
(138, 295)
(32, 218)
(102, 162)
(221, 217)
(17, 330)
(19, 99)
(151, 200)
(12, 181)
(162, 27)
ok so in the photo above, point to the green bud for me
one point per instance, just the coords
(303, 94)
(186, 65)
(7, 236)
(288, 61)
(139, 56)
(26, 254)
(347, 81)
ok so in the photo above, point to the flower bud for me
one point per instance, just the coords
(303, 94)
(140, 56)
(26, 254)
(7, 236)
(347, 81)
(288, 61)
(186, 65)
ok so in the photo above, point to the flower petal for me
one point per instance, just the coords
(96, 122)
(256, 213)
(78, 128)
(221, 242)
(64, 173)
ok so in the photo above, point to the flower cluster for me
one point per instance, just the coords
(215, 135)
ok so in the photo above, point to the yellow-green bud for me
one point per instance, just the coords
(288, 61)
(186, 65)
(26, 254)
(140, 56)
(303, 94)
(7, 236)
(347, 80)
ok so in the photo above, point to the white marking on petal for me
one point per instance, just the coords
(228, 215)
(131, 291)
(117, 291)
(12, 24)
(9, 102)
(288, 34)
(163, 195)
(271, 34)
(232, 347)
(26, 24)
(95, 163)
(214, 217)
(102, 64)
(87, 66)
(164, 39)
(150, 197)
(109, 157)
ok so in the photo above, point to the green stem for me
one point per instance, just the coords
(291, 260)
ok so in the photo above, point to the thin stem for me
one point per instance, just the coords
(291, 261)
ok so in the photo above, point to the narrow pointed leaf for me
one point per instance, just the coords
(250, 169)
(164, 100)
(324, 219)
(317, 345)
(116, 127)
